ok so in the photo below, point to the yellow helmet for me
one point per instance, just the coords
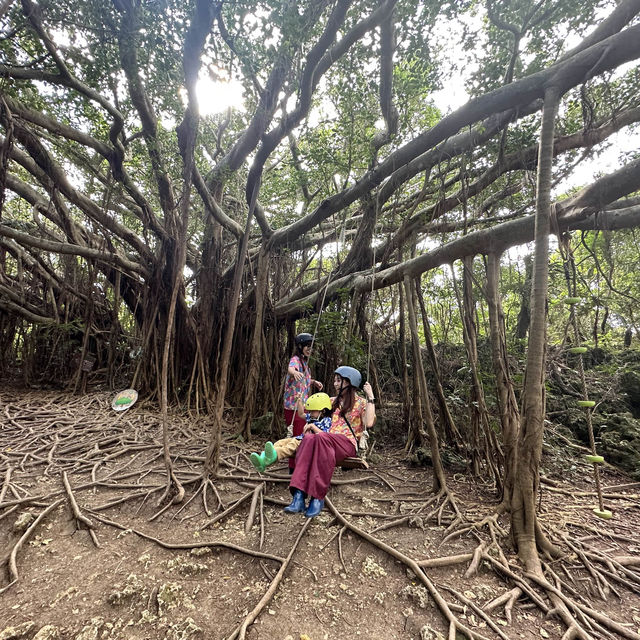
(318, 402)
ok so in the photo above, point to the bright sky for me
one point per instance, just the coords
(215, 96)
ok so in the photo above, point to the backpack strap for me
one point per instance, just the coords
(353, 433)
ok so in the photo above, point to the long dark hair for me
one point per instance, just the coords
(300, 352)
(349, 397)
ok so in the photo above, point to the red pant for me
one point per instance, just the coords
(316, 459)
(298, 425)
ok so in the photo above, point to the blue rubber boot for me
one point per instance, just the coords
(257, 460)
(315, 507)
(297, 504)
(270, 454)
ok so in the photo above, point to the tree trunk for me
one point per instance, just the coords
(212, 458)
(439, 481)
(404, 363)
(448, 426)
(255, 356)
(506, 397)
(524, 525)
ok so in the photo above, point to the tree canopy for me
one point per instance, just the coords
(135, 225)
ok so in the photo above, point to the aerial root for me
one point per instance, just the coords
(566, 605)
(208, 484)
(342, 530)
(490, 522)
(508, 599)
(227, 511)
(202, 488)
(455, 625)
(474, 607)
(77, 514)
(580, 619)
(616, 570)
(6, 483)
(383, 480)
(11, 559)
(174, 493)
(188, 545)
(504, 569)
(442, 499)
(393, 523)
(445, 561)
(240, 632)
(252, 509)
(476, 559)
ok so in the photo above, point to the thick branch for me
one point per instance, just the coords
(601, 57)
(586, 208)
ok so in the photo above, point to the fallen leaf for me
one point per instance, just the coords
(544, 633)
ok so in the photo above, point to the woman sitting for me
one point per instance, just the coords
(319, 452)
(318, 417)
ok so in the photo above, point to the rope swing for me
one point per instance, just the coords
(359, 461)
(578, 350)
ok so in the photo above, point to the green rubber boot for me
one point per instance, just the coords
(257, 460)
(270, 454)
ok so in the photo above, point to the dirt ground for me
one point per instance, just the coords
(180, 573)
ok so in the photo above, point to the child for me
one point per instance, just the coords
(318, 419)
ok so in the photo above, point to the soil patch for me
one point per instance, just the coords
(200, 568)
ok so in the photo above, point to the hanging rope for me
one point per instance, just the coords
(373, 279)
(324, 295)
(572, 300)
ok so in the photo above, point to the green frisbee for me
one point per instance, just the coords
(586, 403)
(605, 514)
(577, 350)
(124, 400)
(595, 459)
(572, 300)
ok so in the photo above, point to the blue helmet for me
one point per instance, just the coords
(351, 374)
(304, 339)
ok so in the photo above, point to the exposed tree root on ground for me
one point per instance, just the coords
(63, 455)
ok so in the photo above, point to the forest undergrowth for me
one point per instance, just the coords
(87, 551)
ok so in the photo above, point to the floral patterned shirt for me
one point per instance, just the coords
(355, 417)
(321, 423)
(294, 388)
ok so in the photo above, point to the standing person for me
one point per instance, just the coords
(319, 453)
(297, 385)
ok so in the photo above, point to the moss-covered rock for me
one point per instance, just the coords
(262, 425)
(132, 589)
(48, 632)
(23, 521)
(17, 631)
(91, 630)
(421, 457)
